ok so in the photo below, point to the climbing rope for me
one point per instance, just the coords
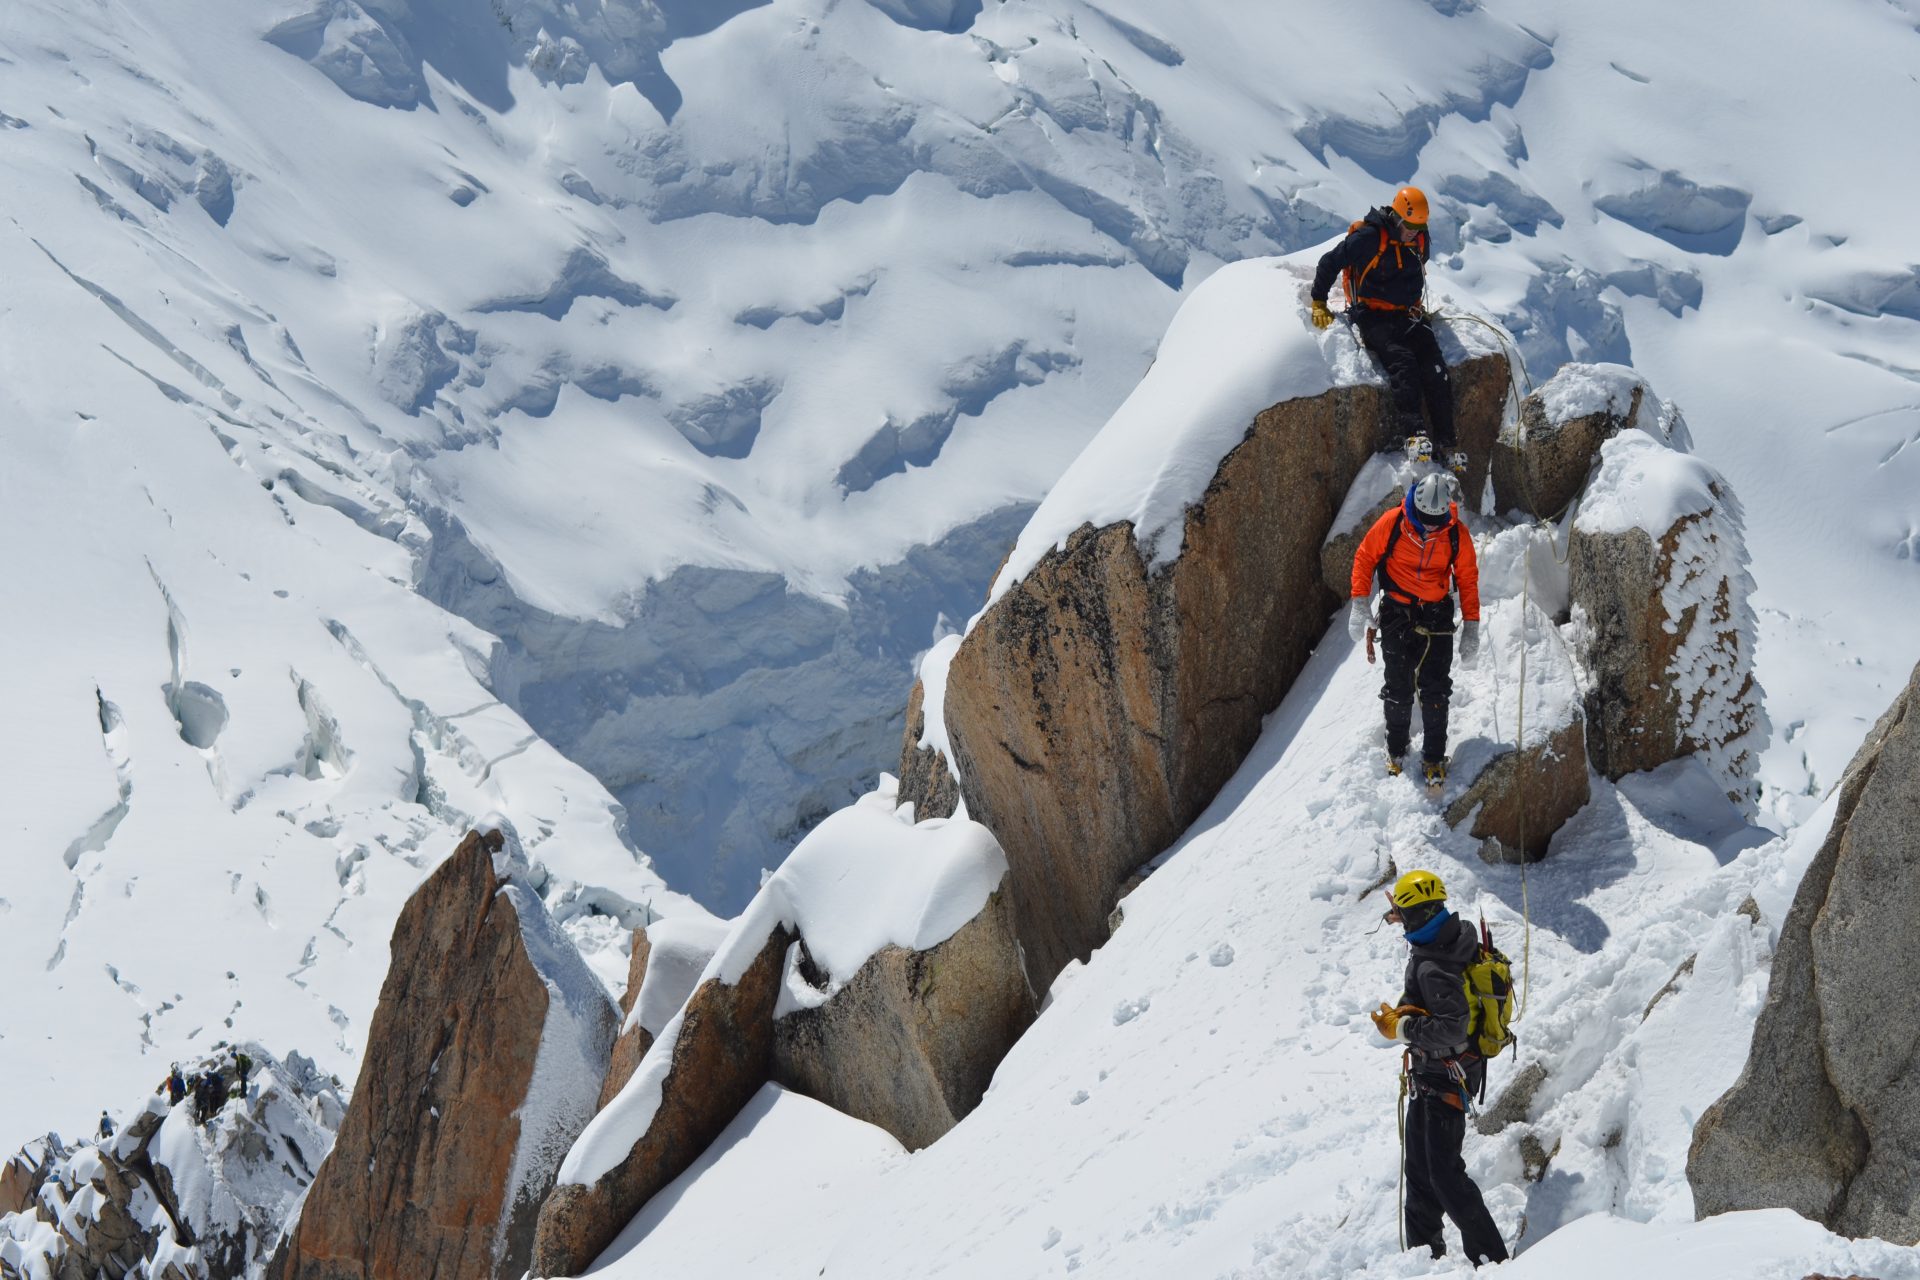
(1526, 771)
(1401, 1195)
(1514, 399)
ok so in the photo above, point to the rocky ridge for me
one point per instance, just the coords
(1100, 702)
(1821, 1120)
(168, 1197)
(484, 1060)
(877, 971)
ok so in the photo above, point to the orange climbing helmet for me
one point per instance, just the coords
(1411, 204)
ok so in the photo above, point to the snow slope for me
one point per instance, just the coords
(241, 739)
(1207, 1097)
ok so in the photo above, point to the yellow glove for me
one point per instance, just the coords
(1321, 316)
(1391, 1022)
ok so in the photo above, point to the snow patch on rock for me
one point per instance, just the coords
(679, 951)
(571, 1060)
(933, 681)
(1643, 484)
(1239, 344)
(866, 878)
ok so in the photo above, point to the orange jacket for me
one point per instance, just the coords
(1418, 567)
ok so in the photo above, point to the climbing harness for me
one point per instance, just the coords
(1390, 588)
(1459, 1074)
(1353, 283)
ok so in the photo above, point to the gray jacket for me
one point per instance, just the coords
(1435, 983)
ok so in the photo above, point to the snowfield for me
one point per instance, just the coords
(589, 413)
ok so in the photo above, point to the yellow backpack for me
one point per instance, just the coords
(1489, 983)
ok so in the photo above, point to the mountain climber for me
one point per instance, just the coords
(242, 1068)
(175, 1084)
(1418, 552)
(1442, 1074)
(1383, 266)
(106, 1125)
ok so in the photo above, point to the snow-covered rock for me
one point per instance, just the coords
(1544, 456)
(708, 1062)
(665, 966)
(484, 1061)
(633, 1041)
(168, 1196)
(1168, 590)
(868, 895)
(926, 774)
(1822, 1119)
(910, 1041)
(1661, 618)
(22, 1175)
(1521, 797)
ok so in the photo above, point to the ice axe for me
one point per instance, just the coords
(1370, 635)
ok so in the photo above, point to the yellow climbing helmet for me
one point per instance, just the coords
(1417, 887)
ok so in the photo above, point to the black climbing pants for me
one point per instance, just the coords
(1437, 1182)
(1415, 369)
(1417, 643)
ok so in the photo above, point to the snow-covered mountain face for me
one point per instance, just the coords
(588, 411)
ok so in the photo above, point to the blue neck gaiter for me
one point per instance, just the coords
(1428, 931)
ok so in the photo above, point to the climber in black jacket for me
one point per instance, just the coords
(1432, 1021)
(1383, 266)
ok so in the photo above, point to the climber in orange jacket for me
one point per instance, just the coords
(1418, 553)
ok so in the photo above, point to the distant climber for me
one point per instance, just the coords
(1383, 268)
(175, 1085)
(1417, 553)
(242, 1068)
(106, 1125)
(209, 1094)
(1442, 1073)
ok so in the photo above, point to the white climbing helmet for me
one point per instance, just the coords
(1432, 497)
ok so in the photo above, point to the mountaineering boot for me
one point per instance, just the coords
(1457, 462)
(1435, 771)
(1394, 768)
(1419, 449)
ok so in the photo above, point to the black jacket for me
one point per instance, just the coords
(1398, 278)
(1435, 982)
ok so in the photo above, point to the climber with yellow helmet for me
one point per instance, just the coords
(1433, 1021)
(1382, 264)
